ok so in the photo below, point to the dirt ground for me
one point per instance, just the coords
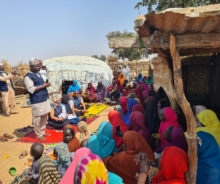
(13, 149)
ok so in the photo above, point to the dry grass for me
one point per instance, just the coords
(23, 69)
(7, 66)
(112, 58)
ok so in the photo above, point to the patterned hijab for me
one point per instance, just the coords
(64, 158)
(91, 170)
(83, 130)
(55, 98)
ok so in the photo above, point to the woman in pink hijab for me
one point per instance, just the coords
(145, 89)
(69, 174)
(138, 92)
(168, 118)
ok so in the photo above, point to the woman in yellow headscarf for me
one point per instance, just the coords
(212, 125)
(122, 79)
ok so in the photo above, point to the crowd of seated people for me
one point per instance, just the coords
(142, 142)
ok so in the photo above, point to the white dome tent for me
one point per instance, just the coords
(81, 68)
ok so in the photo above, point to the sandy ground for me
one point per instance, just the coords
(13, 149)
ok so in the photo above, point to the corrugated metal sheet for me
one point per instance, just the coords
(81, 68)
(182, 21)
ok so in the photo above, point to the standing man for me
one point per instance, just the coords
(39, 98)
(126, 71)
(7, 90)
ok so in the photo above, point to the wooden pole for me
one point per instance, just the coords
(184, 104)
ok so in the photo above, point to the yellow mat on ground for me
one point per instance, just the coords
(95, 109)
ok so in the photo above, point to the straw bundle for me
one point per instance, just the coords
(163, 78)
(112, 58)
(23, 69)
(7, 66)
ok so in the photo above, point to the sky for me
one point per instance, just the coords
(45, 29)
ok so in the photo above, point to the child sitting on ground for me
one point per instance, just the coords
(70, 138)
(32, 174)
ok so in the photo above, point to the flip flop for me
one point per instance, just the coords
(6, 156)
(51, 145)
(17, 179)
(48, 150)
(13, 171)
(8, 136)
(29, 162)
(22, 130)
(23, 154)
(4, 140)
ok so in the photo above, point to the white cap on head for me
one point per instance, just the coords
(33, 62)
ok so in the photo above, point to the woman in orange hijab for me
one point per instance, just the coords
(123, 164)
(122, 79)
(174, 165)
(115, 119)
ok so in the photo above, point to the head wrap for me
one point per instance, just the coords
(83, 130)
(33, 62)
(56, 97)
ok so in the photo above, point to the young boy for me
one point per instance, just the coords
(32, 174)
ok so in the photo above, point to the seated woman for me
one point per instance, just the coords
(101, 92)
(145, 89)
(114, 93)
(175, 137)
(138, 125)
(116, 121)
(172, 166)
(131, 102)
(168, 118)
(58, 115)
(74, 120)
(150, 96)
(211, 124)
(103, 145)
(63, 158)
(127, 90)
(138, 108)
(151, 115)
(134, 85)
(208, 159)
(90, 94)
(121, 79)
(138, 92)
(197, 109)
(139, 78)
(83, 130)
(123, 163)
(70, 138)
(149, 80)
(73, 87)
(122, 107)
(125, 84)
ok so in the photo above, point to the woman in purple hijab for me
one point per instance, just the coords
(175, 136)
(101, 92)
(138, 125)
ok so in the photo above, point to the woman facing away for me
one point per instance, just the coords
(103, 145)
(90, 94)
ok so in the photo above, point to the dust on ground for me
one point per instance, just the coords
(13, 149)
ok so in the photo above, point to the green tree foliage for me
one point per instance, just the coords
(130, 54)
(164, 4)
(102, 57)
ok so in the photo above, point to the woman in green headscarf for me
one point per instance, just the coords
(149, 80)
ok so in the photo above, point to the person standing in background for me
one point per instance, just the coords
(7, 90)
(39, 98)
(126, 71)
(43, 71)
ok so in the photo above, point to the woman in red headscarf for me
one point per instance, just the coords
(90, 95)
(138, 108)
(115, 119)
(138, 92)
(123, 103)
(168, 118)
(173, 167)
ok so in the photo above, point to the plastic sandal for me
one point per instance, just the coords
(8, 136)
(4, 140)
(13, 171)
(17, 179)
(23, 154)
(6, 156)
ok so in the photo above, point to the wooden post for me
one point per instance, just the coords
(184, 104)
